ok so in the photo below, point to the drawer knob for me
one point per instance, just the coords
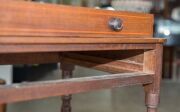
(115, 24)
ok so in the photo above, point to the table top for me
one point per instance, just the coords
(29, 27)
(78, 40)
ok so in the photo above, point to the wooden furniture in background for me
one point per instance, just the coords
(168, 60)
(117, 42)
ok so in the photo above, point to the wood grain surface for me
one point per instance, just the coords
(46, 48)
(103, 64)
(42, 33)
(37, 90)
(73, 40)
(20, 18)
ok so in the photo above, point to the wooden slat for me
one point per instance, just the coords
(30, 91)
(49, 57)
(71, 47)
(73, 40)
(29, 58)
(105, 67)
(104, 64)
(20, 18)
(99, 63)
(135, 56)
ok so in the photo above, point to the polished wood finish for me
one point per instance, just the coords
(33, 19)
(73, 40)
(103, 64)
(37, 90)
(43, 33)
(153, 64)
(4, 49)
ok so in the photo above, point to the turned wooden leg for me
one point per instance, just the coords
(151, 109)
(153, 64)
(67, 70)
(2, 106)
(151, 101)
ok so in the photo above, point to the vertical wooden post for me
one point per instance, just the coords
(153, 64)
(2, 106)
(67, 70)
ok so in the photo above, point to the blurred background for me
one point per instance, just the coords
(127, 99)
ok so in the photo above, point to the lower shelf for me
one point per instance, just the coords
(38, 90)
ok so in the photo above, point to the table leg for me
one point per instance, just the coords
(151, 109)
(153, 64)
(67, 72)
(2, 106)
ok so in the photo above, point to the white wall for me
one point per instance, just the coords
(6, 73)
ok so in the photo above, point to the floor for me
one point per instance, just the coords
(126, 99)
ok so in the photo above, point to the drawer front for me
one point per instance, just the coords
(20, 18)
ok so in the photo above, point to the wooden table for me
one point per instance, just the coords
(117, 42)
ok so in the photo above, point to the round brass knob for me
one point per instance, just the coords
(115, 24)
